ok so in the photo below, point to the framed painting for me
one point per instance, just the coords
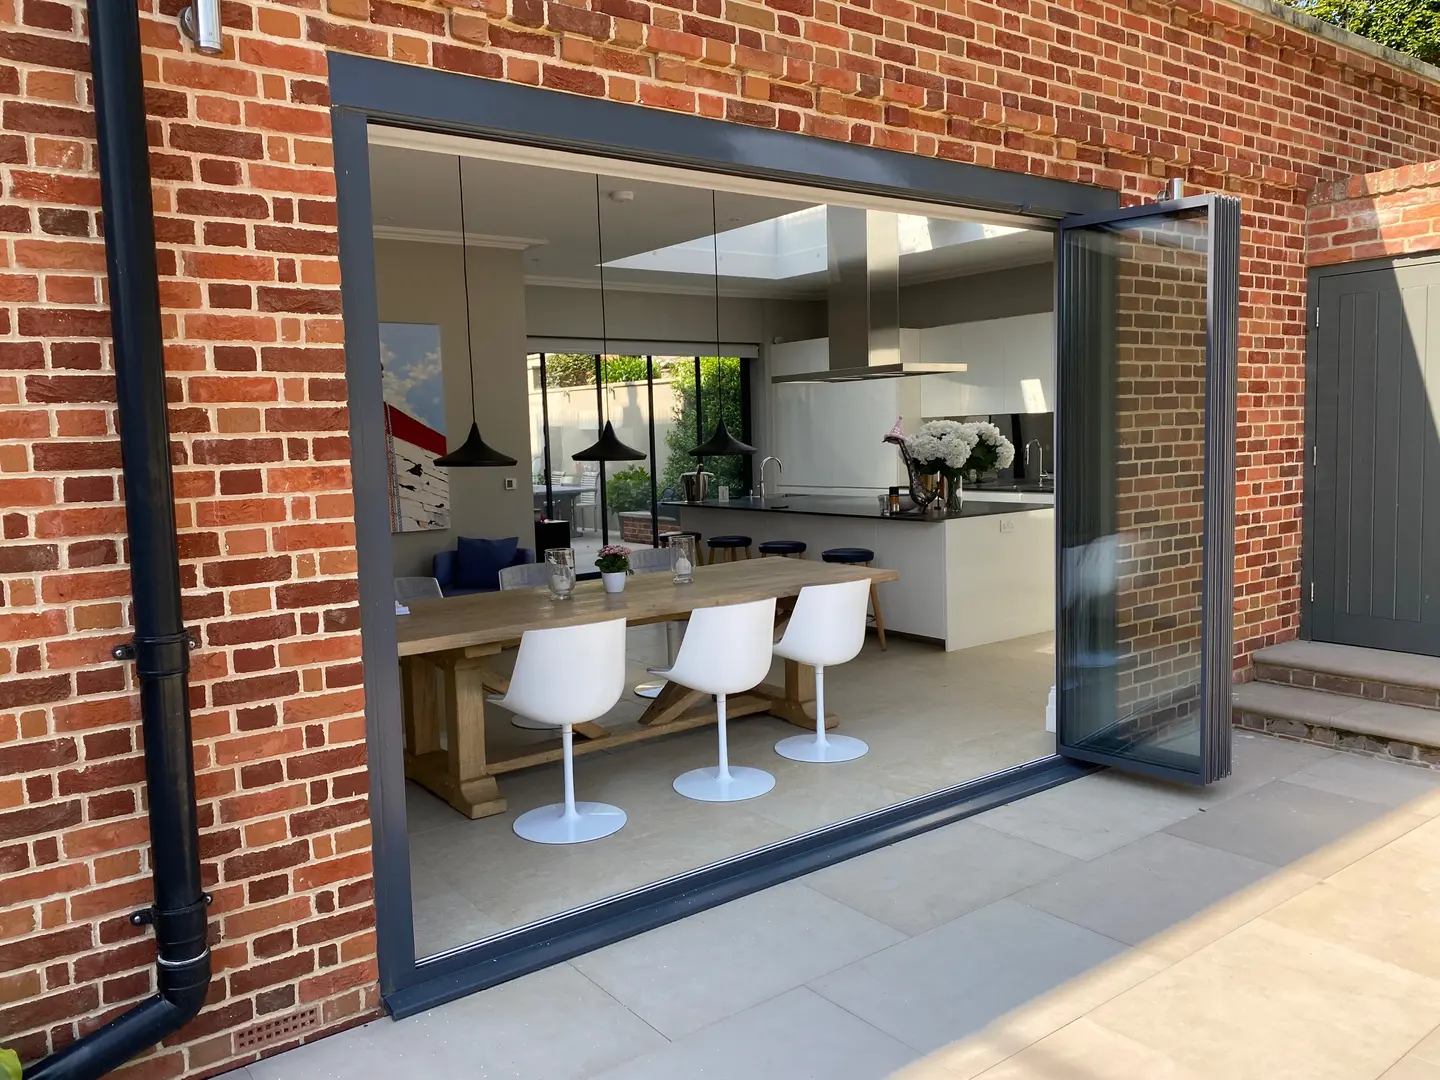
(414, 388)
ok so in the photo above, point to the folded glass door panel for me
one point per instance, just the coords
(1147, 319)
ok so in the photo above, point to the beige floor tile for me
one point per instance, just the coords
(1269, 1003)
(1228, 914)
(1086, 1051)
(1429, 1047)
(1039, 1019)
(1412, 1068)
(1386, 905)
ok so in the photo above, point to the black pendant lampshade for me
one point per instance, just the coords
(721, 443)
(608, 447)
(474, 452)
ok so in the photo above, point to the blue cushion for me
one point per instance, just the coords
(442, 569)
(479, 561)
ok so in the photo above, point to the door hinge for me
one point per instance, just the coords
(1317, 318)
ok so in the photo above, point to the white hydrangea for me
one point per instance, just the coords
(948, 444)
(942, 443)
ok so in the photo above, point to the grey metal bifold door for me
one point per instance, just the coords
(1147, 321)
(1374, 525)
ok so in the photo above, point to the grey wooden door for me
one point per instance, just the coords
(1374, 545)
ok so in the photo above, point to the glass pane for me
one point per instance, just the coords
(574, 424)
(539, 449)
(720, 395)
(627, 483)
(1134, 327)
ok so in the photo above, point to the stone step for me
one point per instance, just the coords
(1402, 732)
(1372, 674)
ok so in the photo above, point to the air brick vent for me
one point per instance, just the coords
(277, 1029)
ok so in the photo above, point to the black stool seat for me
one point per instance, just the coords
(665, 539)
(782, 547)
(847, 555)
(728, 541)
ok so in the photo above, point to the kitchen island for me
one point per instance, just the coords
(984, 574)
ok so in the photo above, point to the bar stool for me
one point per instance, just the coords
(730, 546)
(665, 540)
(826, 628)
(592, 661)
(726, 651)
(787, 548)
(858, 556)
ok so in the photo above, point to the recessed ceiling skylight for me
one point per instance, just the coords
(794, 245)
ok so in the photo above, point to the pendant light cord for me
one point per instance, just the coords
(465, 280)
(604, 334)
(715, 236)
(600, 253)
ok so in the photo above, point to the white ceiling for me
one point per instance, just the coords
(551, 213)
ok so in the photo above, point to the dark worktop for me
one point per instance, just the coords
(857, 506)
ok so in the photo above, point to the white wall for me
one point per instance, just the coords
(422, 283)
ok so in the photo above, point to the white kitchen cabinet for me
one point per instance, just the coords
(1010, 367)
(1030, 363)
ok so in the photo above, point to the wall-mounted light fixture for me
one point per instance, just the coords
(201, 23)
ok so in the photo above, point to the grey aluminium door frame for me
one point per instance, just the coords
(1309, 555)
(365, 91)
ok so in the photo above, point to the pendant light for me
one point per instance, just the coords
(721, 443)
(608, 447)
(474, 452)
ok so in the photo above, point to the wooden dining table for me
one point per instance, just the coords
(446, 648)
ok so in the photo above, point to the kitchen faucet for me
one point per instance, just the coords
(778, 464)
(1040, 464)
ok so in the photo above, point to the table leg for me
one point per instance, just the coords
(797, 705)
(670, 704)
(459, 774)
(421, 705)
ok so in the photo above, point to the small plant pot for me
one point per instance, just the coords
(614, 583)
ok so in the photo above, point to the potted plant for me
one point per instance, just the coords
(613, 562)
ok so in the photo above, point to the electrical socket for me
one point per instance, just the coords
(509, 483)
(1006, 525)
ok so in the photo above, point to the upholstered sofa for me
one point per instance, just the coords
(476, 568)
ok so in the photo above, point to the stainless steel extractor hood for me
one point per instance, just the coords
(863, 252)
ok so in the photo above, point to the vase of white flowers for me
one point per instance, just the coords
(954, 449)
(613, 562)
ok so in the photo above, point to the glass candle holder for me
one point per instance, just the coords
(682, 558)
(560, 572)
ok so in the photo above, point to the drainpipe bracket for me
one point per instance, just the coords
(160, 656)
(146, 916)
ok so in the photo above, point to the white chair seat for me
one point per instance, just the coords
(826, 628)
(565, 676)
(726, 651)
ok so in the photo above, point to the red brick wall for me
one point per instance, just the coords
(1381, 214)
(1119, 94)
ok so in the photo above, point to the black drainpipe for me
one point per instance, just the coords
(161, 645)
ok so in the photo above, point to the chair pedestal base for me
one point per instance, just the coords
(550, 825)
(649, 689)
(810, 748)
(706, 785)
